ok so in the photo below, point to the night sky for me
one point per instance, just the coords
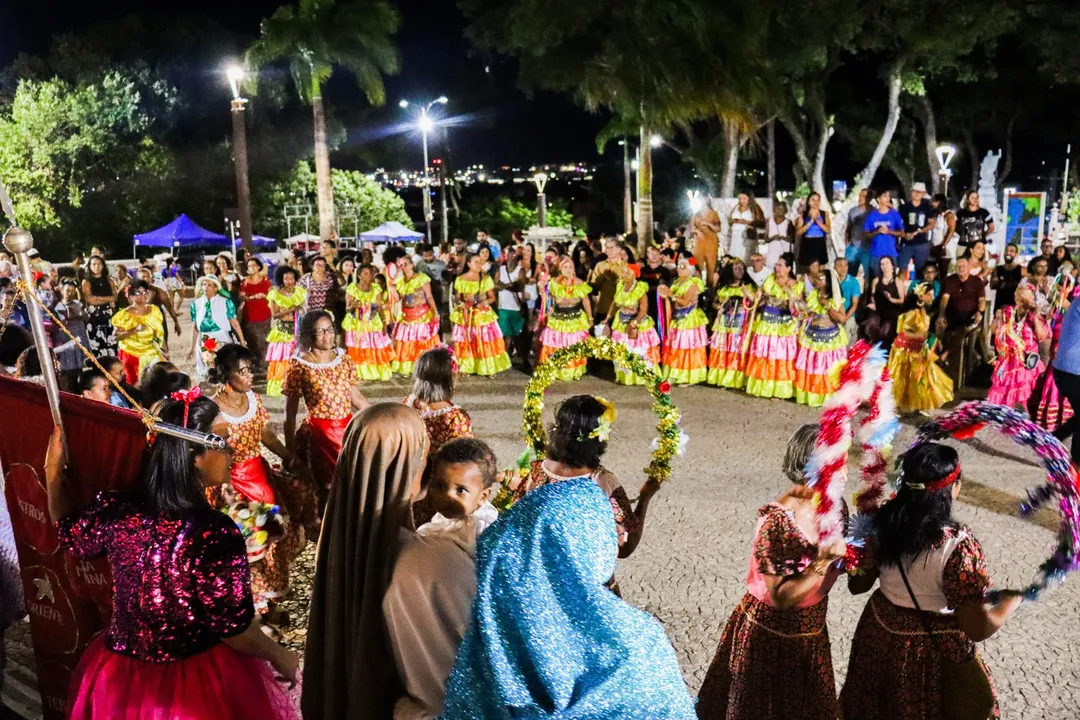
(495, 122)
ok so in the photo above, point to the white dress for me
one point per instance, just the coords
(776, 248)
(738, 246)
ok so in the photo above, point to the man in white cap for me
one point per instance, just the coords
(919, 220)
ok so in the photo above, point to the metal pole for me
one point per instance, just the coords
(19, 242)
(444, 229)
(427, 194)
(240, 162)
(628, 198)
(771, 144)
(541, 209)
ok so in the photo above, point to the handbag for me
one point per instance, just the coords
(966, 693)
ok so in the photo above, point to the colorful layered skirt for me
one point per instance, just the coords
(565, 327)
(1012, 382)
(919, 383)
(220, 683)
(478, 341)
(774, 344)
(318, 444)
(820, 350)
(726, 364)
(771, 663)
(369, 347)
(685, 356)
(1047, 406)
(280, 347)
(415, 334)
(646, 344)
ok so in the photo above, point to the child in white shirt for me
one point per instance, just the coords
(464, 478)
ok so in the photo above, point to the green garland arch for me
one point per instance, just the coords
(667, 425)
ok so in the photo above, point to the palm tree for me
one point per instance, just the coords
(315, 36)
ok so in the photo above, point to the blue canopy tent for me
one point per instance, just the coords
(392, 231)
(183, 232)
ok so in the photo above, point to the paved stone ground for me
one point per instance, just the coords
(690, 566)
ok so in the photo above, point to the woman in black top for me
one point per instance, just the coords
(583, 260)
(973, 223)
(654, 274)
(887, 301)
(100, 292)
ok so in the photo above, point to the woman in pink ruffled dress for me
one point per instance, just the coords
(1017, 333)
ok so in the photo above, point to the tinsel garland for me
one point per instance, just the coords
(670, 439)
(1061, 476)
(863, 378)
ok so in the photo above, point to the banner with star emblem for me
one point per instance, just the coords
(69, 599)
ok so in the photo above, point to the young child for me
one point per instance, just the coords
(464, 479)
(115, 367)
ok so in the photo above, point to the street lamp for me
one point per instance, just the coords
(236, 76)
(656, 141)
(426, 125)
(945, 154)
(694, 196)
(541, 199)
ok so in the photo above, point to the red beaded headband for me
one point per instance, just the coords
(940, 484)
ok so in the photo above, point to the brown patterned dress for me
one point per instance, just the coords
(774, 663)
(895, 668)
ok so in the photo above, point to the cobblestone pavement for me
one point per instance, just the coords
(690, 567)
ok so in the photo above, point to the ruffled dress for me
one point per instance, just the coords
(567, 324)
(685, 356)
(726, 362)
(919, 383)
(647, 342)
(773, 663)
(254, 480)
(1047, 406)
(478, 340)
(821, 347)
(281, 342)
(366, 340)
(774, 344)
(1012, 382)
(418, 329)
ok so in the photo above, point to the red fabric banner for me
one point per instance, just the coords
(69, 599)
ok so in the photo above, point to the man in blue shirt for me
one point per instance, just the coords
(1067, 373)
(883, 226)
(849, 290)
(919, 221)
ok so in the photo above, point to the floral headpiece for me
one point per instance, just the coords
(453, 357)
(603, 428)
(922, 288)
(187, 397)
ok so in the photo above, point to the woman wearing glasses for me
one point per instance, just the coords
(326, 378)
(140, 332)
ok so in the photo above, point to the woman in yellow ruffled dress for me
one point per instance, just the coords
(140, 332)
(366, 340)
(823, 343)
(685, 358)
(631, 325)
(286, 300)
(734, 296)
(568, 318)
(774, 342)
(919, 384)
(417, 331)
(478, 341)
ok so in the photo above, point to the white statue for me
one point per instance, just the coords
(989, 199)
(988, 172)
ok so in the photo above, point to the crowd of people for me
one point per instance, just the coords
(425, 596)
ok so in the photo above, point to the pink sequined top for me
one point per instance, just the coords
(181, 583)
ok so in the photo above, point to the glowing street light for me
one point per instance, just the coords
(236, 75)
(541, 199)
(656, 141)
(945, 154)
(694, 196)
(426, 125)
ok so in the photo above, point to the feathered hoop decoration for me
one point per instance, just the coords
(863, 378)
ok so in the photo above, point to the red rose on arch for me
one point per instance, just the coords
(665, 387)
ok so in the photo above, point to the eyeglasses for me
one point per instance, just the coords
(325, 331)
(245, 370)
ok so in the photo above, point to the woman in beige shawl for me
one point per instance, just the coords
(368, 554)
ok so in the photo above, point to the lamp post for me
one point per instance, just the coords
(945, 154)
(541, 199)
(694, 196)
(236, 76)
(628, 196)
(426, 125)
